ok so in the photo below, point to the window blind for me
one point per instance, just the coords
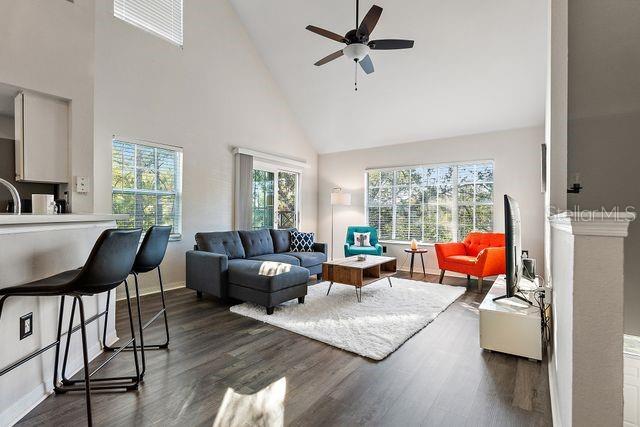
(437, 203)
(147, 185)
(161, 17)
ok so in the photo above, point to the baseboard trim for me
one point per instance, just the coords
(167, 287)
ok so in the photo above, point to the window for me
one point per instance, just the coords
(275, 199)
(439, 203)
(147, 185)
(161, 17)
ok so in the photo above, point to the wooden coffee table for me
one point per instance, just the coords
(350, 271)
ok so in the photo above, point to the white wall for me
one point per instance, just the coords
(516, 154)
(208, 97)
(604, 125)
(7, 130)
(48, 47)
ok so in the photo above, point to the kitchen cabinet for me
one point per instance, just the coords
(42, 138)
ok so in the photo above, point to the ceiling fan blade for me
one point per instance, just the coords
(389, 44)
(326, 33)
(328, 58)
(366, 64)
(370, 20)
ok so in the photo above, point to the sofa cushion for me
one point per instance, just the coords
(281, 239)
(476, 242)
(367, 250)
(256, 242)
(285, 258)
(221, 242)
(266, 276)
(309, 259)
(462, 259)
(302, 242)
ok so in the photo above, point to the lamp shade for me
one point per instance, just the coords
(340, 198)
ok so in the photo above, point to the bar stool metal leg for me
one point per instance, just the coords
(108, 383)
(140, 328)
(58, 338)
(133, 333)
(162, 311)
(85, 356)
(65, 358)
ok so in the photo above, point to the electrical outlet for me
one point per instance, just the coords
(26, 325)
(82, 184)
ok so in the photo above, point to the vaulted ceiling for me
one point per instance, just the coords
(477, 66)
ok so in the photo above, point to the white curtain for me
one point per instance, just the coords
(243, 192)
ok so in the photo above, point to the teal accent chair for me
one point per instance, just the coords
(350, 249)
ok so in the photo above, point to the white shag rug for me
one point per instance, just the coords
(374, 328)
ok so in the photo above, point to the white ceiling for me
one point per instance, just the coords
(477, 66)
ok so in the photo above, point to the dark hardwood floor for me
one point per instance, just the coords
(438, 377)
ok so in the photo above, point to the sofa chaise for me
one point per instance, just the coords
(255, 266)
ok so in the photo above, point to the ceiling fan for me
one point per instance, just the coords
(357, 41)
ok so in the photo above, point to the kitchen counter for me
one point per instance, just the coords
(33, 247)
(27, 223)
(11, 219)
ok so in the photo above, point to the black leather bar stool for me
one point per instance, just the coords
(149, 258)
(108, 265)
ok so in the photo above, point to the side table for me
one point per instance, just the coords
(413, 254)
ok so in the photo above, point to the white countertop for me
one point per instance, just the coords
(13, 219)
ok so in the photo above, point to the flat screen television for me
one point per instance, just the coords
(513, 248)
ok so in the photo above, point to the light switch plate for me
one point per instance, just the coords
(82, 184)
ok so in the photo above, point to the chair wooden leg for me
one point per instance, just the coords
(479, 284)
(468, 279)
(441, 276)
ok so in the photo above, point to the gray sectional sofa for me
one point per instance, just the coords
(254, 266)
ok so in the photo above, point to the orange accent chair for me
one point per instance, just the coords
(479, 255)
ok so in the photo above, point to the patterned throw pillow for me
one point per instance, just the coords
(301, 242)
(362, 239)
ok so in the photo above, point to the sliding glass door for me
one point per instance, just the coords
(275, 198)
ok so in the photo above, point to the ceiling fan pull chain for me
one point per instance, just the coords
(356, 77)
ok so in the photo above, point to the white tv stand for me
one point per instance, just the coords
(510, 325)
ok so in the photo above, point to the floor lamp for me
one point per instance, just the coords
(338, 198)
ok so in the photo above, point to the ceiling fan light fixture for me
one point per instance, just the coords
(356, 51)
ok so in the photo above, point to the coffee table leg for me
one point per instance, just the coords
(329, 290)
(359, 295)
(390, 285)
(422, 259)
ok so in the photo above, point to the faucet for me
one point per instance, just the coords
(14, 194)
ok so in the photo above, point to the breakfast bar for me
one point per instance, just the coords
(33, 247)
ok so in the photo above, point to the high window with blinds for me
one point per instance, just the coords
(160, 17)
(439, 203)
(147, 185)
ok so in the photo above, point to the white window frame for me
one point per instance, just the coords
(275, 169)
(175, 37)
(454, 203)
(176, 232)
